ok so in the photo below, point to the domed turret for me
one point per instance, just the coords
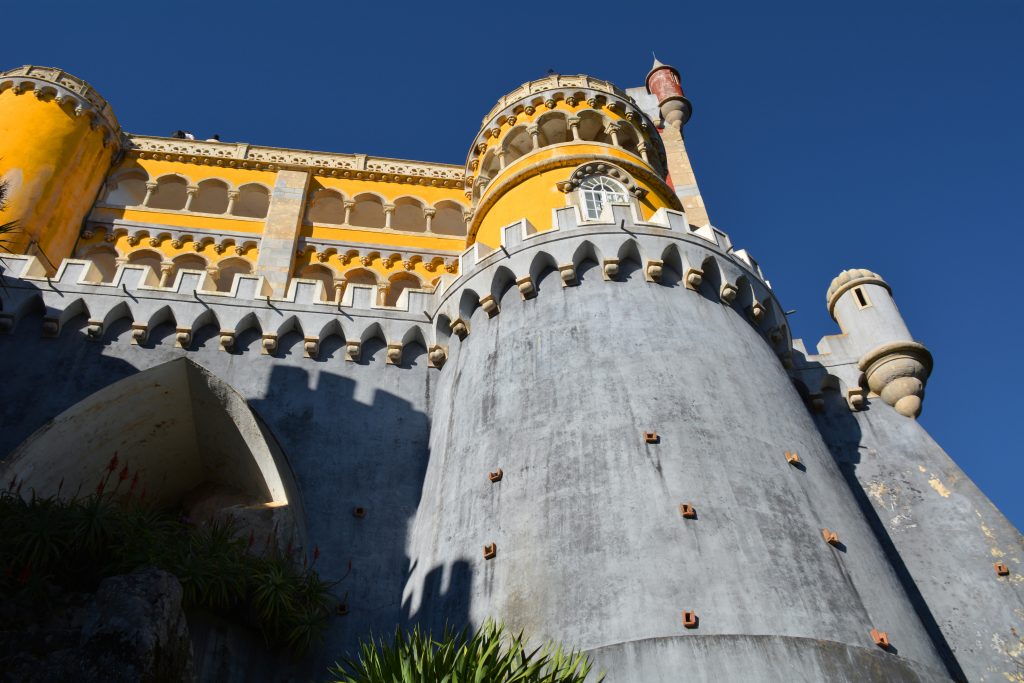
(527, 156)
(894, 365)
(58, 138)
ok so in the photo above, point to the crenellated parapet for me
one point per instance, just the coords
(663, 251)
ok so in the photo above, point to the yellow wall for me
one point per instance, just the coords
(534, 196)
(55, 164)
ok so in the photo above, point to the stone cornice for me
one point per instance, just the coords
(554, 82)
(336, 165)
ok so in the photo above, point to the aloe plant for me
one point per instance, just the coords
(488, 654)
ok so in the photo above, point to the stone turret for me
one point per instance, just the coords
(664, 83)
(895, 366)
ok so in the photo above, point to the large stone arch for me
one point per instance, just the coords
(193, 440)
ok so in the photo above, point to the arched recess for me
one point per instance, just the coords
(212, 197)
(192, 440)
(146, 257)
(317, 271)
(449, 219)
(130, 189)
(553, 128)
(104, 258)
(328, 207)
(368, 211)
(228, 269)
(398, 283)
(409, 215)
(253, 201)
(517, 143)
(170, 193)
(592, 127)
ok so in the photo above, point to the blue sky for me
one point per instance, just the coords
(825, 136)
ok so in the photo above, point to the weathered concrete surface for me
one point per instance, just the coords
(942, 531)
(591, 547)
(754, 658)
(354, 434)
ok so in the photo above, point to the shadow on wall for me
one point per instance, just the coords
(354, 449)
(842, 435)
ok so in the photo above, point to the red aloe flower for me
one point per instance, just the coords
(124, 473)
(100, 486)
(112, 465)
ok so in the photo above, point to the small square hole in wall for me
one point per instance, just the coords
(687, 511)
(496, 475)
(651, 437)
(358, 512)
(490, 550)
(1001, 569)
(690, 619)
(792, 458)
(831, 537)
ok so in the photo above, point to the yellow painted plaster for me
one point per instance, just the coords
(55, 163)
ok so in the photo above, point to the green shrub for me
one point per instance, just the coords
(486, 655)
(74, 544)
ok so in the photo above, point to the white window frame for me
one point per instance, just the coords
(597, 190)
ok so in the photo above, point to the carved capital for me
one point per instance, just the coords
(323, 256)
(529, 110)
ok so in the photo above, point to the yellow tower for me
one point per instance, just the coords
(539, 143)
(58, 138)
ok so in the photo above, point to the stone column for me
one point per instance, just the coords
(349, 204)
(574, 126)
(534, 131)
(167, 271)
(150, 188)
(389, 212)
(281, 229)
(429, 214)
(191, 191)
(232, 198)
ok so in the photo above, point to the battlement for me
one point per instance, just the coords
(665, 248)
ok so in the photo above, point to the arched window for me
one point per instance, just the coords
(212, 197)
(228, 269)
(328, 207)
(368, 212)
(598, 190)
(253, 201)
(448, 219)
(129, 191)
(169, 193)
(409, 215)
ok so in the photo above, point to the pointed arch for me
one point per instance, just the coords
(176, 427)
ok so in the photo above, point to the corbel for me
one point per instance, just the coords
(353, 350)
(693, 278)
(182, 337)
(526, 288)
(855, 398)
(568, 274)
(94, 330)
(311, 346)
(757, 311)
(51, 326)
(728, 293)
(610, 268)
(460, 328)
(269, 343)
(227, 340)
(653, 270)
(437, 356)
(490, 305)
(139, 333)
(394, 354)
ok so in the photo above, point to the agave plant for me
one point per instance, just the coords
(485, 655)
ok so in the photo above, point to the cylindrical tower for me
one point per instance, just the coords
(522, 162)
(894, 365)
(58, 138)
(619, 459)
